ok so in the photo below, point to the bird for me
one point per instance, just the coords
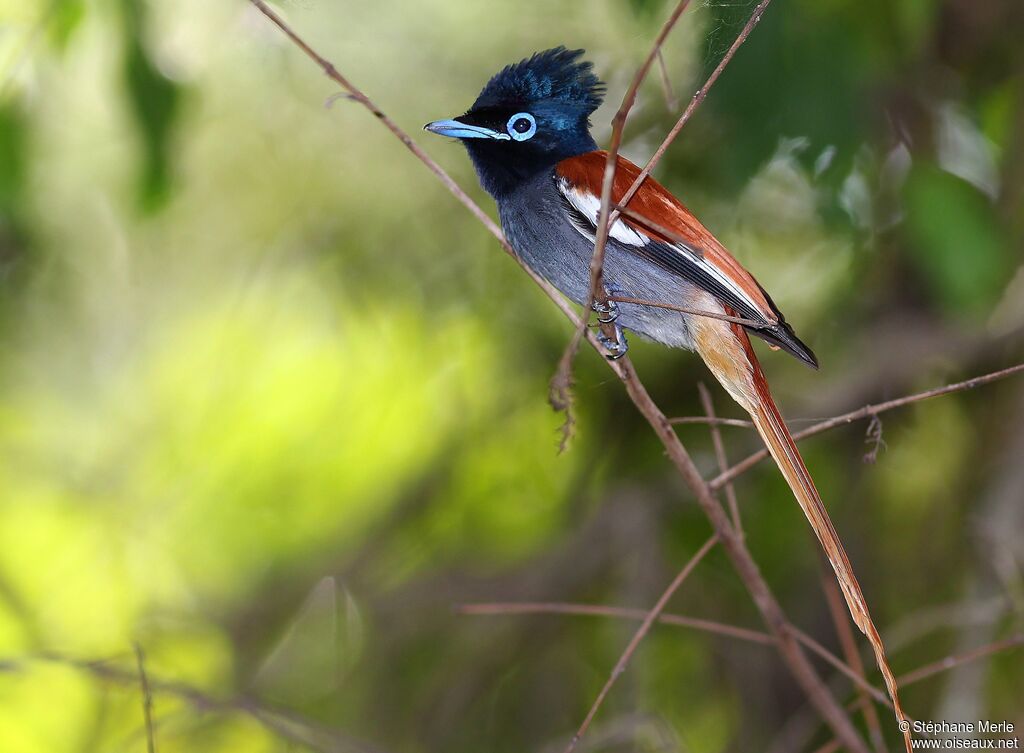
(528, 137)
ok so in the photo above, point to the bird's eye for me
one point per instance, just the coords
(522, 126)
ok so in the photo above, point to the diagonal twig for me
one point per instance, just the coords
(357, 95)
(866, 411)
(720, 457)
(560, 391)
(601, 610)
(929, 670)
(716, 421)
(638, 636)
(957, 659)
(743, 562)
(753, 636)
(147, 699)
(608, 216)
(686, 310)
(695, 102)
(671, 101)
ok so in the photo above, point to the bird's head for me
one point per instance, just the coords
(531, 115)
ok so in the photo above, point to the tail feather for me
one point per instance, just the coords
(729, 355)
(782, 447)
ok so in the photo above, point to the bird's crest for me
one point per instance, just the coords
(553, 75)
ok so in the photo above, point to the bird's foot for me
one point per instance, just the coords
(607, 311)
(616, 346)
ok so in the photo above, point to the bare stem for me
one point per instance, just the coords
(742, 560)
(956, 660)
(356, 95)
(695, 102)
(716, 421)
(638, 636)
(561, 383)
(147, 699)
(720, 457)
(671, 102)
(855, 415)
(602, 610)
(685, 310)
(745, 634)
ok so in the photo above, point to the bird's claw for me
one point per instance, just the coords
(607, 311)
(616, 347)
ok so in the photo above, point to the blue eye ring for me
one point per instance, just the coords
(516, 122)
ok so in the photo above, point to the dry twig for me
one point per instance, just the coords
(685, 310)
(929, 670)
(695, 102)
(147, 699)
(956, 660)
(671, 102)
(560, 391)
(742, 560)
(855, 415)
(638, 636)
(723, 462)
(602, 610)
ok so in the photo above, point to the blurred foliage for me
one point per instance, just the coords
(273, 404)
(154, 101)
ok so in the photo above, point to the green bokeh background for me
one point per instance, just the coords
(272, 404)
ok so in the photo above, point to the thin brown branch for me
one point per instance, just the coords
(865, 412)
(720, 457)
(605, 219)
(147, 699)
(600, 610)
(845, 669)
(716, 421)
(744, 634)
(677, 620)
(560, 392)
(671, 101)
(695, 102)
(830, 747)
(685, 310)
(929, 670)
(750, 574)
(802, 670)
(638, 636)
(956, 660)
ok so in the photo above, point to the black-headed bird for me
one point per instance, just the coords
(528, 135)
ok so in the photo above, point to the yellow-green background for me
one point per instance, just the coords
(272, 404)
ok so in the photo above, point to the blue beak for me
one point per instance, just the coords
(456, 130)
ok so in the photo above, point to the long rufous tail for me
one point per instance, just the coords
(736, 366)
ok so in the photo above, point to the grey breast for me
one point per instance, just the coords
(537, 225)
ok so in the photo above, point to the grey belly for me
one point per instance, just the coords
(542, 236)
